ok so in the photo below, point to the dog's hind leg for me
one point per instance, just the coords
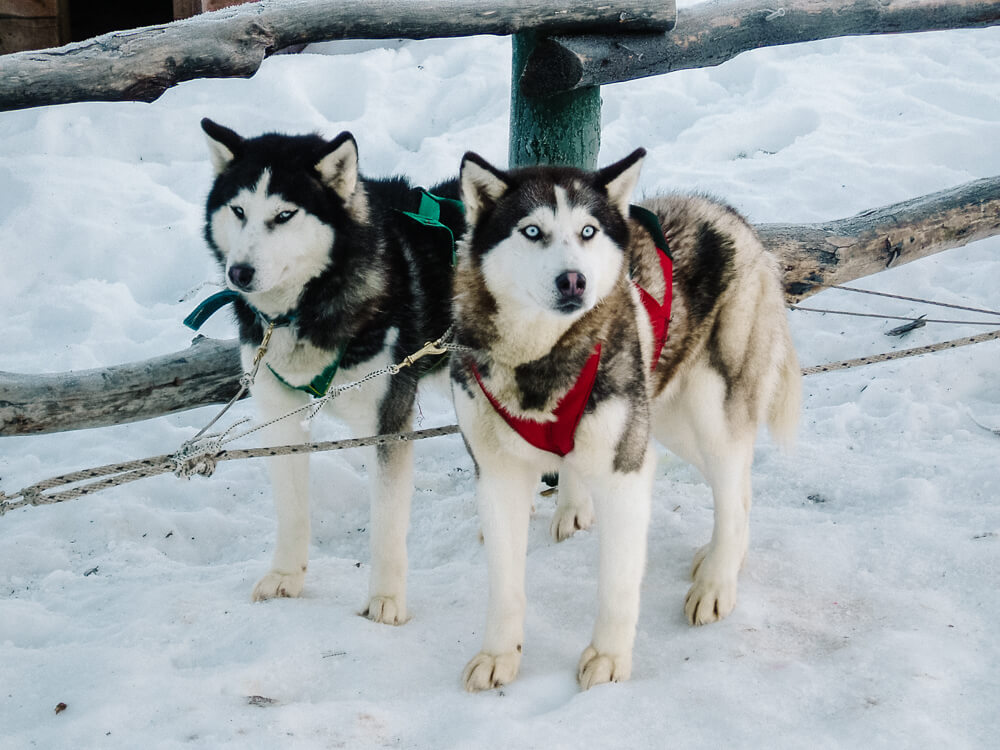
(503, 494)
(575, 508)
(290, 485)
(716, 565)
(696, 427)
(622, 502)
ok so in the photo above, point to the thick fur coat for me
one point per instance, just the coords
(548, 269)
(307, 241)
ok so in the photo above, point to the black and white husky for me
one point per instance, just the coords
(351, 284)
(578, 356)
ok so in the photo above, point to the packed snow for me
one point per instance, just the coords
(869, 602)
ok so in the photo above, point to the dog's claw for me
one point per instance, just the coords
(488, 671)
(569, 519)
(596, 668)
(712, 596)
(277, 584)
(385, 610)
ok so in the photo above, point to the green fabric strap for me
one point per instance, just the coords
(217, 301)
(320, 384)
(208, 308)
(429, 214)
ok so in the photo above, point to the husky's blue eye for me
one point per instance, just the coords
(532, 232)
(238, 212)
(284, 216)
(588, 231)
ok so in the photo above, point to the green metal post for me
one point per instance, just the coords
(564, 129)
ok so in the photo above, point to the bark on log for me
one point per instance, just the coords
(711, 33)
(814, 257)
(141, 64)
(205, 373)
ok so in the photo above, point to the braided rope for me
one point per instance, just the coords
(902, 353)
(194, 458)
(187, 466)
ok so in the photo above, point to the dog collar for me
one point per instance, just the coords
(320, 384)
(557, 436)
(217, 301)
(317, 387)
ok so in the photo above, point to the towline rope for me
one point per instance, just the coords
(193, 458)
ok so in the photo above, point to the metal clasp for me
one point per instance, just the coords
(429, 347)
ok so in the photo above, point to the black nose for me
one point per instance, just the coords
(571, 284)
(241, 275)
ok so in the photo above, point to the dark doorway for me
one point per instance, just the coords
(88, 18)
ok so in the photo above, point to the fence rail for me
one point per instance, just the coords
(711, 33)
(139, 65)
(815, 256)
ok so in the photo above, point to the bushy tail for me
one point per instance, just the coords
(783, 412)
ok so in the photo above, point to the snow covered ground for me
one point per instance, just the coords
(869, 603)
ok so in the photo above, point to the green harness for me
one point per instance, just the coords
(428, 215)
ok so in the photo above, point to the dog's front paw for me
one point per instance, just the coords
(386, 610)
(570, 518)
(597, 668)
(277, 584)
(712, 596)
(487, 671)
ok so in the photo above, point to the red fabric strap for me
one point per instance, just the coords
(556, 436)
(659, 314)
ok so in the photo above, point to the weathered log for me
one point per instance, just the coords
(711, 33)
(815, 256)
(205, 373)
(141, 64)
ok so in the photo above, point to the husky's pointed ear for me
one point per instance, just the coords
(481, 185)
(339, 168)
(619, 179)
(223, 144)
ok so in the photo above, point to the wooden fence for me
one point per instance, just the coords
(563, 52)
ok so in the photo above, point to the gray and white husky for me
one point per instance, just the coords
(351, 284)
(560, 296)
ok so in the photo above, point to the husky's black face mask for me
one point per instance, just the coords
(271, 229)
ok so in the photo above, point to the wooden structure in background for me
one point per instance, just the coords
(33, 24)
(188, 8)
(38, 24)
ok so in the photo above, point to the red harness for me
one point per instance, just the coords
(557, 436)
(659, 313)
